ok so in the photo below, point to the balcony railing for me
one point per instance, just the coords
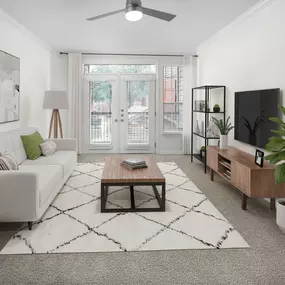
(100, 127)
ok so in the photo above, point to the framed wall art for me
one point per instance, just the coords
(9, 88)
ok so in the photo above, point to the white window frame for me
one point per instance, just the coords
(169, 132)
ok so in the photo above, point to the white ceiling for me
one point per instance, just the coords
(62, 25)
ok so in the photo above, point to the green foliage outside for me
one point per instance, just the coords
(102, 91)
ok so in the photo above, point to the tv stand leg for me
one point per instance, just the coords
(243, 201)
(212, 174)
(272, 204)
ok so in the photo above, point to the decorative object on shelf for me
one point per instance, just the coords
(259, 157)
(224, 128)
(202, 132)
(197, 129)
(55, 100)
(202, 105)
(217, 108)
(280, 215)
(202, 151)
(10, 88)
(208, 110)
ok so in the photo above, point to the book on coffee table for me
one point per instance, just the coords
(134, 162)
(132, 167)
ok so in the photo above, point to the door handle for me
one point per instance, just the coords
(122, 110)
(116, 120)
(122, 120)
(122, 115)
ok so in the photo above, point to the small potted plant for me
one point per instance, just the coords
(203, 151)
(276, 146)
(217, 108)
(224, 128)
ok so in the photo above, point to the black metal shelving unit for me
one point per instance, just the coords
(206, 89)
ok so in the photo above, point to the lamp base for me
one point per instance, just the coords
(55, 122)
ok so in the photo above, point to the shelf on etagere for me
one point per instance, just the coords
(204, 137)
(197, 111)
(209, 87)
(198, 157)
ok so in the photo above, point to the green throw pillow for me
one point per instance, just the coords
(32, 145)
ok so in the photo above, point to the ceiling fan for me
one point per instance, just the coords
(134, 11)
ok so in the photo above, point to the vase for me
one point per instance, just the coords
(223, 141)
(197, 129)
(216, 109)
(280, 214)
(202, 128)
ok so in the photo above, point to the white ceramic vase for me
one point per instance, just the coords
(223, 141)
(197, 129)
(280, 214)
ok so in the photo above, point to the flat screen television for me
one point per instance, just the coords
(252, 112)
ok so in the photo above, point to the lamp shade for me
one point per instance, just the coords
(55, 99)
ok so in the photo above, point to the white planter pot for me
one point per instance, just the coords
(280, 215)
(223, 141)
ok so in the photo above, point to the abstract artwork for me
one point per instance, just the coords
(9, 87)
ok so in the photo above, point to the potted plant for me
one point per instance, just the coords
(217, 108)
(202, 151)
(224, 128)
(276, 146)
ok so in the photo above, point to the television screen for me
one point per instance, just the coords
(252, 112)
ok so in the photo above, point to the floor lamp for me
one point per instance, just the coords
(55, 100)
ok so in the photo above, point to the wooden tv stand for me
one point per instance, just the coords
(239, 169)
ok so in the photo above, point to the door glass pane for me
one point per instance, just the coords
(100, 112)
(138, 116)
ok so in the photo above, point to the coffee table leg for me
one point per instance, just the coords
(163, 197)
(104, 195)
(132, 197)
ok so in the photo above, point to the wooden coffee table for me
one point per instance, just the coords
(116, 175)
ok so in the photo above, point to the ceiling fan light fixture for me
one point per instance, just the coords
(134, 14)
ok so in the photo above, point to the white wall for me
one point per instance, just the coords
(34, 72)
(247, 55)
(59, 80)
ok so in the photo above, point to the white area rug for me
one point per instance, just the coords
(74, 223)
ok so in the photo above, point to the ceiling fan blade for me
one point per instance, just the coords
(105, 15)
(158, 14)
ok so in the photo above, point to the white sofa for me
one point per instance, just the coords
(27, 193)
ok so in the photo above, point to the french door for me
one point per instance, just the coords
(121, 113)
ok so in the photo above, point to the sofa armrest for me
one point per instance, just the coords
(19, 198)
(66, 144)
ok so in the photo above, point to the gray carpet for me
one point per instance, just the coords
(263, 263)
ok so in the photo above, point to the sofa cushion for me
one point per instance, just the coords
(32, 145)
(8, 162)
(49, 177)
(48, 147)
(67, 160)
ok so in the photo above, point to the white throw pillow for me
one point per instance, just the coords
(8, 162)
(48, 147)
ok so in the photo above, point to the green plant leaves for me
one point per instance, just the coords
(279, 174)
(282, 109)
(224, 127)
(276, 120)
(276, 145)
(280, 132)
